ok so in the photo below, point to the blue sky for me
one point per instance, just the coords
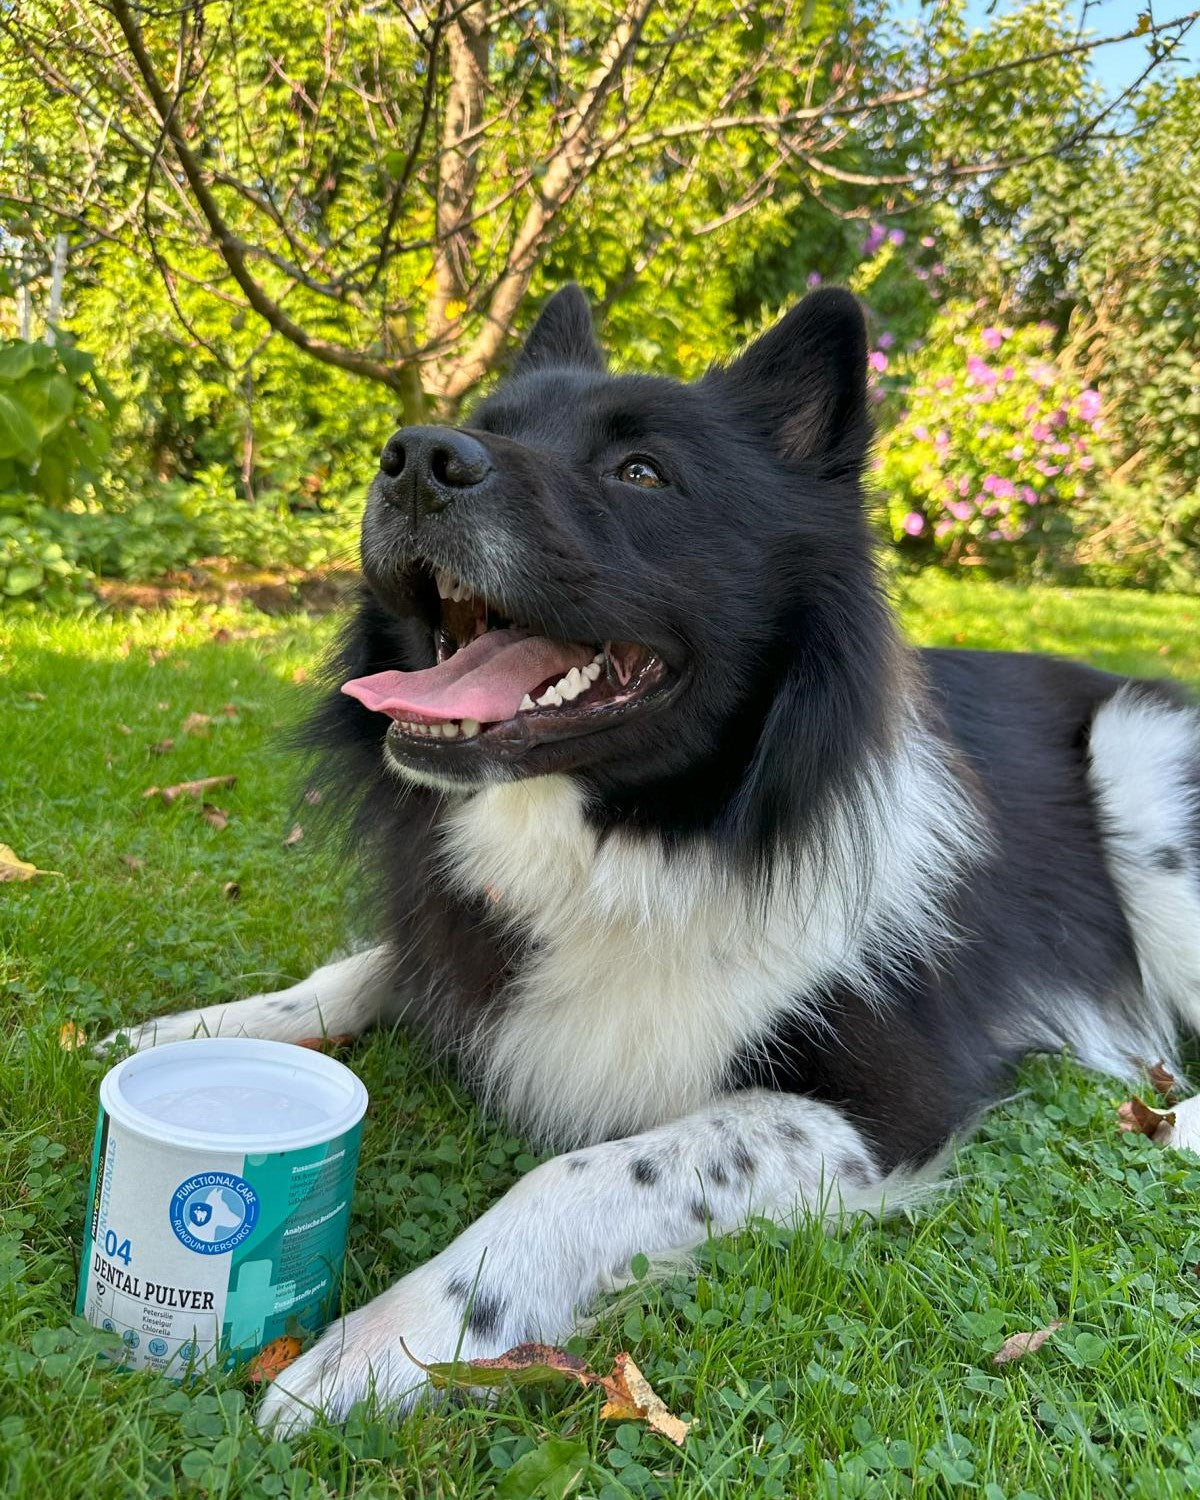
(1115, 67)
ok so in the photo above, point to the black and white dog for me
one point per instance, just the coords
(704, 876)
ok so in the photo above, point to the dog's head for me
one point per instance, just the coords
(615, 575)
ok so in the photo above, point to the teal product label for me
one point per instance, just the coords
(194, 1257)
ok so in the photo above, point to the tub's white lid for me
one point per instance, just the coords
(234, 1094)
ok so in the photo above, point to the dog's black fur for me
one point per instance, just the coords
(750, 573)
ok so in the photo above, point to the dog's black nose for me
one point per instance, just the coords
(427, 467)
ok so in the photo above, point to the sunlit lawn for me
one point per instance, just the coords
(856, 1364)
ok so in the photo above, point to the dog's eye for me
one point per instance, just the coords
(641, 472)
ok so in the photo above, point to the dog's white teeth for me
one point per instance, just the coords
(592, 670)
(469, 728)
(451, 588)
(526, 704)
(550, 698)
(570, 686)
(449, 731)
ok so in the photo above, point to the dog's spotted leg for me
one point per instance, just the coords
(346, 996)
(534, 1262)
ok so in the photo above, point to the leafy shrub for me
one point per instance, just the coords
(54, 434)
(993, 447)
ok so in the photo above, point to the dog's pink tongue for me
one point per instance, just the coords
(485, 680)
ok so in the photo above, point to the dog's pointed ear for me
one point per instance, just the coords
(562, 335)
(805, 381)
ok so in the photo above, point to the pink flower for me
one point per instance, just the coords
(814, 278)
(921, 432)
(1089, 404)
(961, 510)
(1041, 433)
(980, 371)
(945, 383)
(913, 523)
(937, 269)
(1016, 453)
(964, 484)
(942, 441)
(876, 235)
(877, 360)
(1086, 462)
(1008, 373)
(928, 241)
(1029, 494)
(990, 509)
(886, 340)
(942, 528)
(992, 339)
(896, 236)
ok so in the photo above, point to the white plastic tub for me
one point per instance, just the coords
(222, 1174)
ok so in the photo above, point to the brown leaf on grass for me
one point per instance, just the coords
(1018, 1345)
(295, 836)
(171, 794)
(134, 861)
(163, 747)
(630, 1395)
(300, 674)
(12, 868)
(1163, 1082)
(71, 1037)
(1136, 1115)
(312, 796)
(124, 729)
(526, 1364)
(36, 697)
(217, 817)
(222, 634)
(196, 724)
(273, 1358)
(231, 890)
(230, 710)
(326, 1043)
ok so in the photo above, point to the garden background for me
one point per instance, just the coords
(239, 243)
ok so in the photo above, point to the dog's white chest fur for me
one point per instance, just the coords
(651, 972)
(648, 973)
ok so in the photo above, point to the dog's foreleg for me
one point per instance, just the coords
(344, 997)
(534, 1262)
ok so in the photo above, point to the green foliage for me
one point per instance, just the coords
(995, 445)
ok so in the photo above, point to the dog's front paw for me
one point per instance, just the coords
(361, 1357)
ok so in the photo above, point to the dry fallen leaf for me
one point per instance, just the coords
(231, 890)
(216, 816)
(312, 796)
(1163, 1082)
(230, 710)
(12, 868)
(300, 674)
(71, 1037)
(196, 724)
(1018, 1345)
(1136, 1115)
(124, 729)
(295, 836)
(163, 747)
(630, 1394)
(134, 861)
(326, 1043)
(171, 794)
(527, 1364)
(36, 697)
(273, 1358)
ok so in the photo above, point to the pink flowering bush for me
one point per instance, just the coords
(991, 448)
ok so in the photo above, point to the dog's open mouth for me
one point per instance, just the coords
(503, 681)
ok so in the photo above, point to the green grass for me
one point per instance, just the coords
(856, 1364)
